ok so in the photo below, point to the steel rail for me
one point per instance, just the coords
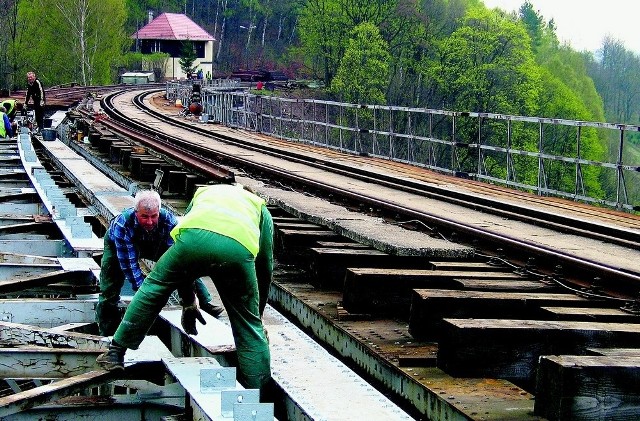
(558, 222)
(562, 258)
(162, 143)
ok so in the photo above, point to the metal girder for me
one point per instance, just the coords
(43, 362)
(74, 277)
(47, 313)
(14, 333)
(42, 247)
(151, 403)
(22, 208)
(14, 195)
(30, 228)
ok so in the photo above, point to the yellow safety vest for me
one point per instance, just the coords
(228, 210)
(3, 130)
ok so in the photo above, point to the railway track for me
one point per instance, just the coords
(437, 324)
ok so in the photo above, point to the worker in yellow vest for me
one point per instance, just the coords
(5, 128)
(227, 234)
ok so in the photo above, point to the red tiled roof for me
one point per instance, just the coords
(173, 26)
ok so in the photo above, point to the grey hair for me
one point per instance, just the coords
(2, 109)
(147, 200)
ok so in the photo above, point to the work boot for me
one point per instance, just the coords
(113, 358)
(213, 310)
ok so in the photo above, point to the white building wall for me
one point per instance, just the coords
(173, 71)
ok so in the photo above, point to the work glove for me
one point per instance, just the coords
(188, 319)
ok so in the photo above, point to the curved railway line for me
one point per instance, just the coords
(531, 313)
(558, 215)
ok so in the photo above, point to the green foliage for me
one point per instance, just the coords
(77, 40)
(322, 31)
(534, 23)
(146, 62)
(187, 57)
(486, 65)
(363, 74)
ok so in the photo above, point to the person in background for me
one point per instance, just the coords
(226, 233)
(35, 91)
(12, 106)
(142, 231)
(5, 129)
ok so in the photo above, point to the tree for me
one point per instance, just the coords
(487, 65)
(187, 57)
(534, 23)
(78, 40)
(9, 27)
(363, 74)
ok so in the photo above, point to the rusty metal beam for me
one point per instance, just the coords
(43, 362)
(18, 334)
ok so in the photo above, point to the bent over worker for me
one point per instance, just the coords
(227, 233)
(142, 231)
(5, 126)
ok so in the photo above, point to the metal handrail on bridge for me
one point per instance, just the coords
(546, 156)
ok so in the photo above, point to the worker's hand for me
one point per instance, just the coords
(188, 319)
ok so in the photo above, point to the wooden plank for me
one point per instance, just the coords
(291, 246)
(467, 266)
(612, 352)
(611, 315)
(298, 226)
(28, 399)
(343, 245)
(510, 349)
(589, 388)
(328, 266)
(430, 306)
(388, 291)
(307, 236)
(503, 285)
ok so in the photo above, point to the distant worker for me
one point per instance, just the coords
(226, 233)
(12, 106)
(5, 128)
(259, 85)
(142, 231)
(35, 91)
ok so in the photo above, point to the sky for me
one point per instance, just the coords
(585, 23)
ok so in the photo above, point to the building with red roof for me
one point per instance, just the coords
(167, 33)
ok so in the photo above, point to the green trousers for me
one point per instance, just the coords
(232, 268)
(112, 280)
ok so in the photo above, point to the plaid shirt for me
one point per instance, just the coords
(132, 242)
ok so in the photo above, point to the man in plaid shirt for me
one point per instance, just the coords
(140, 232)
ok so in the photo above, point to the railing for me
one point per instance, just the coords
(584, 161)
